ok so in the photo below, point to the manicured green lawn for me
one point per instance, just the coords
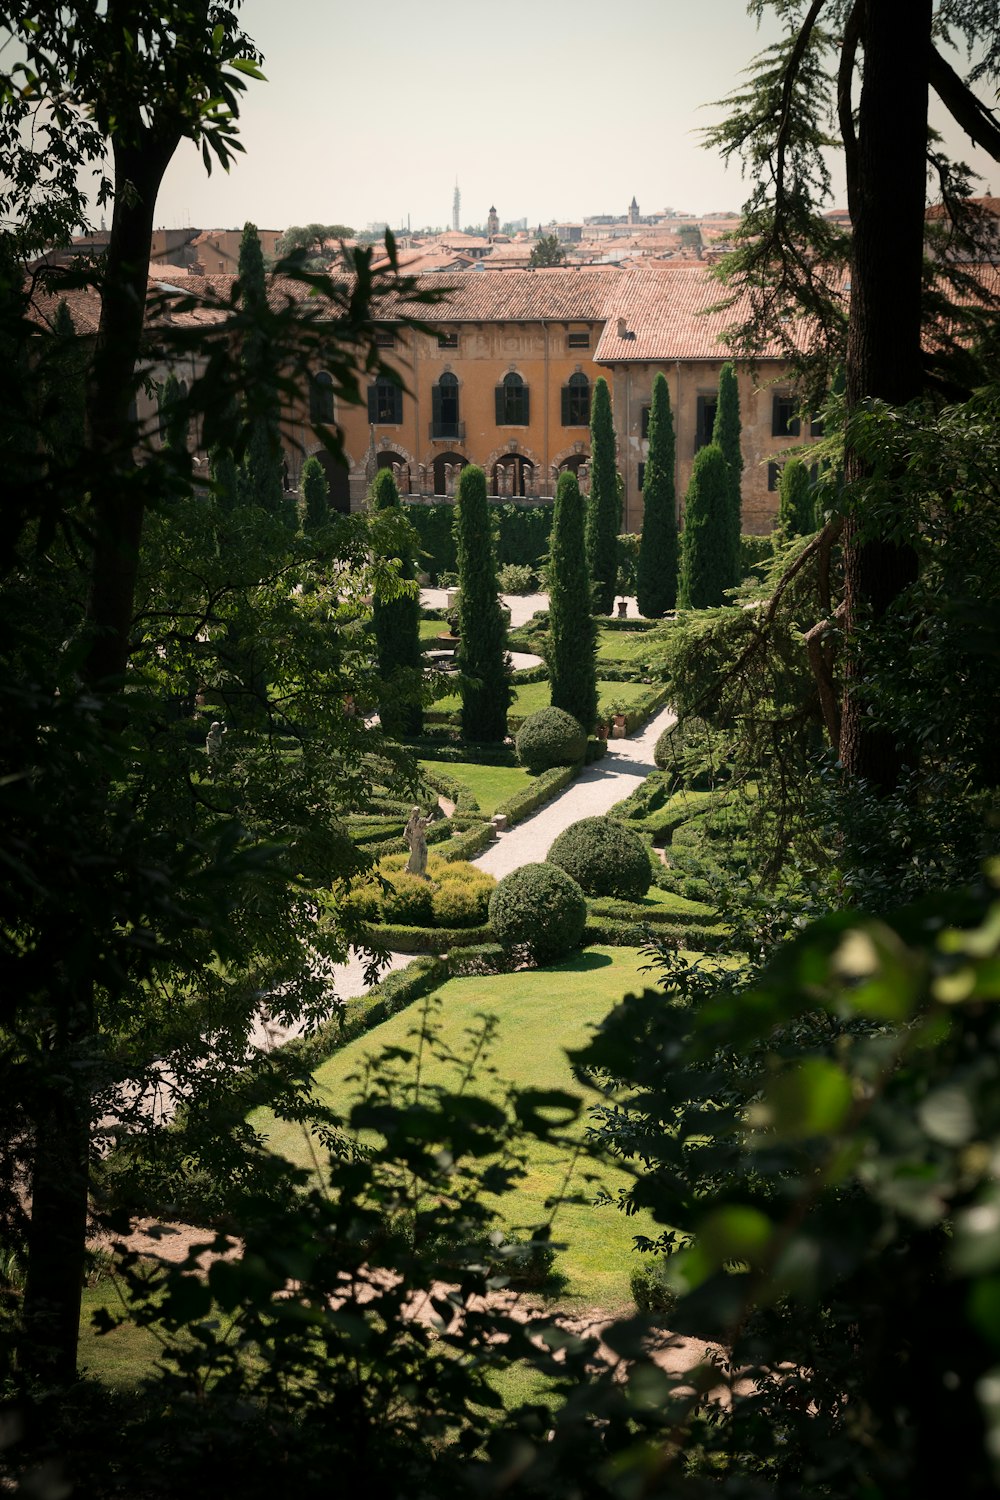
(624, 646)
(122, 1357)
(490, 785)
(540, 1014)
(534, 695)
(430, 630)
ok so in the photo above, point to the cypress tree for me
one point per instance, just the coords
(315, 493)
(262, 462)
(726, 435)
(173, 420)
(572, 666)
(656, 573)
(482, 641)
(796, 504)
(397, 630)
(604, 508)
(705, 544)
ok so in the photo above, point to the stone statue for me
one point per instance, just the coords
(213, 746)
(417, 843)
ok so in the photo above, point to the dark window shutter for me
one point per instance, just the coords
(566, 413)
(501, 398)
(373, 403)
(397, 404)
(699, 437)
(525, 407)
(436, 405)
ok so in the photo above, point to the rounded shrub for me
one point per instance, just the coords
(550, 737)
(538, 908)
(605, 858)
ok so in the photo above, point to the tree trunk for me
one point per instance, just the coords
(883, 359)
(60, 1173)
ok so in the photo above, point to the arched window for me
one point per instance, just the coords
(385, 403)
(444, 407)
(576, 401)
(321, 398)
(512, 402)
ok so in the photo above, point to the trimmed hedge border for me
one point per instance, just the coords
(618, 934)
(450, 750)
(540, 673)
(399, 939)
(682, 910)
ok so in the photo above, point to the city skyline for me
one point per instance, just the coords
(582, 119)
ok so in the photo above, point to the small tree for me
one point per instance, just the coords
(315, 493)
(726, 435)
(604, 508)
(397, 633)
(796, 503)
(656, 574)
(705, 557)
(572, 668)
(547, 252)
(262, 461)
(481, 652)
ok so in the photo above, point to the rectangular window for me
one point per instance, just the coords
(644, 422)
(707, 406)
(447, 340)
(773, 476)
(784, 417)
(512, 404)
(816, 427)
(576, 402)
(578, 341)
(385, 339)
(385, 404)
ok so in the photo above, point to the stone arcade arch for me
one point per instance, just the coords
(447, 467)
(338, 478)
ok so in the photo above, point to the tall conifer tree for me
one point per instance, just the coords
(482, 654)
(262, 461)
(705, 548)
(726, 435)
(397, 634)
(604, 508)
(656, 573)
(572, 666)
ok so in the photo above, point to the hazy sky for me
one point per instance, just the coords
(547, 109)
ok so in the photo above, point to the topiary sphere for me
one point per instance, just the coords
(550, 737)
(540, 908)
(604, 857)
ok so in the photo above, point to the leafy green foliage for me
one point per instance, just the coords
(522, 535)
(811, 1144)
(604, 857)
(726, 434)
(572, 639)
(604, 503)
(656, 573)
(538, 909)
(313, 239)
(550, 737)
(486, 691)
(705, 571)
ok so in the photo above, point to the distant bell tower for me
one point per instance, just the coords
(492, 223)
(456, 210)
(633, 211)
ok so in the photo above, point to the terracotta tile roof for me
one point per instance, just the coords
(492, 296)
(84, 305)
(663, 309)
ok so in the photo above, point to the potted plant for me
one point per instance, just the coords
(615, 709)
